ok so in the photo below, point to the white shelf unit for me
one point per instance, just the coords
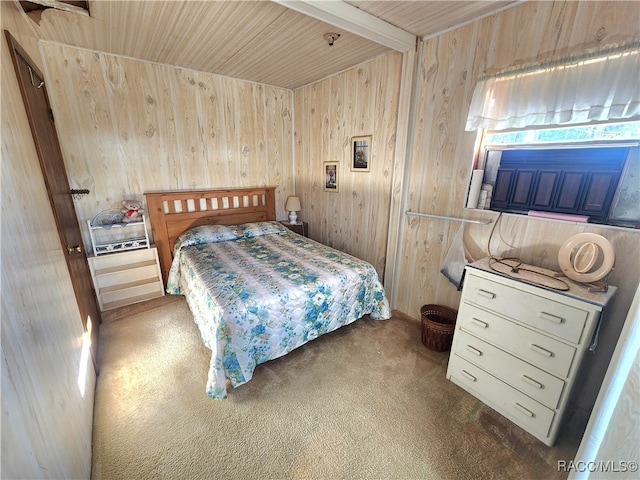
(133, 235)
(127, 277)
(518, 347)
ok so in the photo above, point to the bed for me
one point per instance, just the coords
(256, 289)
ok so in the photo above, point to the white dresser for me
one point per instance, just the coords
(518, 347)
(124, 278)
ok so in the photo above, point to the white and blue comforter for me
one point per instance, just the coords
(258, 291)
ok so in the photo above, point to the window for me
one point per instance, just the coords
(561, 138)
(623, 131)
(591, 173)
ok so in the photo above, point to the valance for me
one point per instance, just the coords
(595, 89)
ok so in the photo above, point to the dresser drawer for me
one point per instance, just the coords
(124, 278)
(523, 376)
(564, 321)
(516, 406)
(538, 349)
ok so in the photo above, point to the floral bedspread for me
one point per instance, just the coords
(257, 291)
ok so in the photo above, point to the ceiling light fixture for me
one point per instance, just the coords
(331, 38)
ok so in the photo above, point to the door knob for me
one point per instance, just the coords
(76, 248)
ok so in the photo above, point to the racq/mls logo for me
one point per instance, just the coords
(602, 466)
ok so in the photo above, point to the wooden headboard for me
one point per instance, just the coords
(171, 213)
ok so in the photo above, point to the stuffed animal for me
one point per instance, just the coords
(132, 211)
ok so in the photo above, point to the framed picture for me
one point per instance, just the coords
(360, 153)
(331, 177)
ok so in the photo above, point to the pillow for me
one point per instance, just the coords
(256, 229)
(206, 234)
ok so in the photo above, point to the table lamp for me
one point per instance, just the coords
(293, 206)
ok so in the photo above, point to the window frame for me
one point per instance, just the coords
(481, 161)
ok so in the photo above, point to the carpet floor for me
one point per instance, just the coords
(368, 401)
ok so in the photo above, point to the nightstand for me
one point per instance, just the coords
(124, 278)
(301, 227)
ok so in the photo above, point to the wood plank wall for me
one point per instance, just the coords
(360, 101)
(46, 422)
(441, 158)
(442, 153)
(129, 126)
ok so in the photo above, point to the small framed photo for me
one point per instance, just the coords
(331, 177)
(360, 153)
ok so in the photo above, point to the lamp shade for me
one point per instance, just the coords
(293, 204)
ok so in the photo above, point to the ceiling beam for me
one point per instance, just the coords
(352, 19)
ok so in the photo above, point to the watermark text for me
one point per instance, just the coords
(600, 466)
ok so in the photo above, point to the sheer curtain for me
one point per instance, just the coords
(595, 89)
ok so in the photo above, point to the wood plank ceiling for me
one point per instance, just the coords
(261, 41)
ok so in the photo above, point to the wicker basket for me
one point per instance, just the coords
(438, 323)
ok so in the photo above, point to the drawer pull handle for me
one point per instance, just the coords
(533, 382)
(541, 351)
(551, 318)
(473, 350)
(479, 323)
(485, 294)
(524, 410)
(469, 376)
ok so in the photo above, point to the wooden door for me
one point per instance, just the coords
(545, 189)
(599, 193)
(570, 190)
(36, 101)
